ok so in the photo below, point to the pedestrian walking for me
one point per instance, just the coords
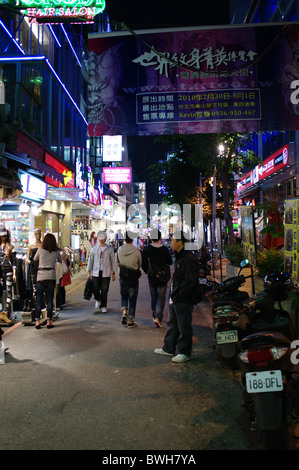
(182, 298)
(46, 256)
(119, 238)
(101, 267)
(8, 272)
(156, 261)
(129, 261)
(93, 239)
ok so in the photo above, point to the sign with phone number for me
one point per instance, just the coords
(199, 106)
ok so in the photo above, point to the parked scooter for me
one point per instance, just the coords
(226, 307)
(204, 273)
(270, 378)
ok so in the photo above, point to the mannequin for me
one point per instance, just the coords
(8, 271)
(32, 271)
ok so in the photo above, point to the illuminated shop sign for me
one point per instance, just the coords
(117, 175)
(63, 9)
(33, 188)
(112, 148)
(68, 175)
(270, 166)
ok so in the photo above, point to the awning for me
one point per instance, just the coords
(17, 156)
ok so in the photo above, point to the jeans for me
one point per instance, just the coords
(47, 287)
(129, 298)
(179, 329)
(158, 294)
(100, 287)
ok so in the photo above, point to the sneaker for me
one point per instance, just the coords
(131, 324)
(124, 318)
(181, 358)
(157, 323)
(104, 310)
(97, 305)
(162, 352)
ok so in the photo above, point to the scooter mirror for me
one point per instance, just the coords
(244, 263)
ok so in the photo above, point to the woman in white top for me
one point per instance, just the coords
(46, 256)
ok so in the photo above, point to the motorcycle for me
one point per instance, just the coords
(270, 379)
(228, 302)
(204, 273)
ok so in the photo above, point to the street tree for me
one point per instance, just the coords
(220, 155)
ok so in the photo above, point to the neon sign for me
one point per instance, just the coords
(63, 9)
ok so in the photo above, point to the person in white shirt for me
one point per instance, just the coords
(101, 267)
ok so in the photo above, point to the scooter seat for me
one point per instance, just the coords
(263, 338)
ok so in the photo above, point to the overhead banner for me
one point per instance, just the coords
(234, 79)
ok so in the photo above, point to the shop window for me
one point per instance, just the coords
(18, 223)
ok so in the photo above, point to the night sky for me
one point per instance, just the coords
(138, 14)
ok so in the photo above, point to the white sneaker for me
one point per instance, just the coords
(97, 304)
(180, 358)
(104, 310)
(162, 352)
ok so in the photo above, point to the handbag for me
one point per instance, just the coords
(88, 290)
(129, 276)
(65, 268)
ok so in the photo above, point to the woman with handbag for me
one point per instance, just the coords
(47, 256)
(129, 262)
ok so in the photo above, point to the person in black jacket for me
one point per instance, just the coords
(182, 298)
(156, 259)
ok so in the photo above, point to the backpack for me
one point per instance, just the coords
(159, 275)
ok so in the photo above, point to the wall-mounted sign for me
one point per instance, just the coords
(276, 162)
(63, 9)
(118, 175)
(68, 175)
(112, 148)
(33, 188)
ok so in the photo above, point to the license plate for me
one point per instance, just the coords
(266, 381)
(202, 281)
(230, 336)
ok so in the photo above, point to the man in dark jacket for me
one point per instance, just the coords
(182, 298)
(156, 257)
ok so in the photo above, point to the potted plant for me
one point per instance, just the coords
(268, 261)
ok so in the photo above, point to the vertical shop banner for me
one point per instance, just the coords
(248, 233)
(233, 79)
(291, 234)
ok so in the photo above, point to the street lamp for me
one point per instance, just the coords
(221, 149)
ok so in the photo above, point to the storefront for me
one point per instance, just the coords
(274, 179)
(21, 214)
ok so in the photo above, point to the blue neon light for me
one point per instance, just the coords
(71, 46)
(54, 35)
(11, 37)
(42, 57)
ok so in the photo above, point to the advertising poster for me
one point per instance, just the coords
(175, 81)
(248, 233)
(291, 234)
